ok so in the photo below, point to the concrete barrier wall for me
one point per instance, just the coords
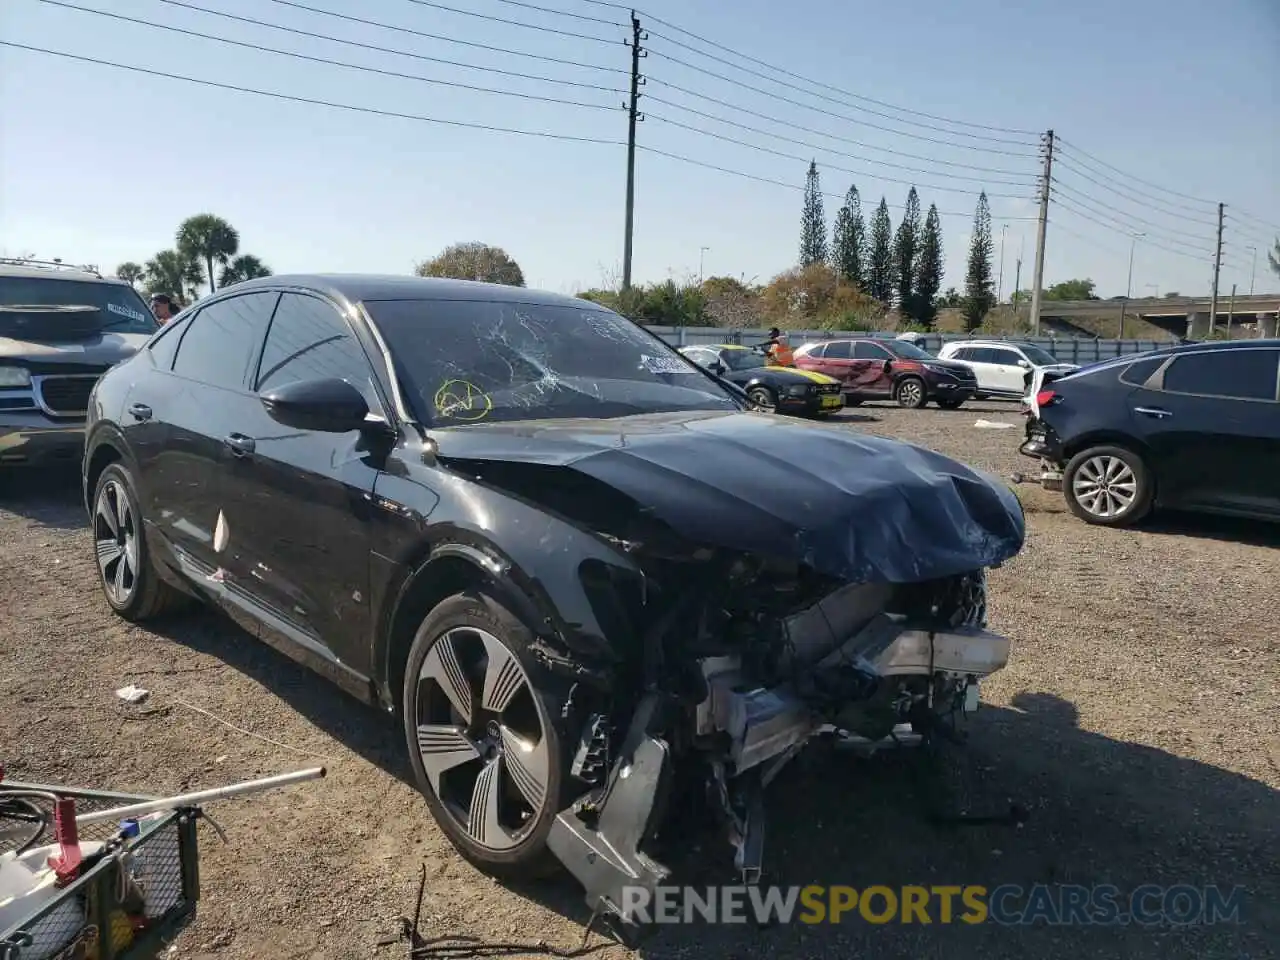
(1067, 350)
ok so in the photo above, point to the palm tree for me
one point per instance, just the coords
(174, 273)
(208, 238)
(130, 272)
(244, 267)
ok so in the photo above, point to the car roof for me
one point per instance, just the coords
(56, 273)
(357, 287)
(987, 343)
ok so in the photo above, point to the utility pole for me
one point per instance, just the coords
(1253, 269)
(1231, 310)
(1217, 270)
(702, 252)
(1017, 288)
(1042, 229)
(1128, 290)
(1000, 282)
(634, 116)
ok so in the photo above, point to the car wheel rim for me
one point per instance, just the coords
(910, 393)
(1105, 487)
(481, 738)
(115, 536)
(763, 401)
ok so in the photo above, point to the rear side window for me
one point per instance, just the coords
(165, 346)
(309, 340)
(837, 350)
(1234, 374)
(1140, 372)
(221, 338)
(1006, 357)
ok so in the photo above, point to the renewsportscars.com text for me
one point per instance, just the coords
(1006, 905)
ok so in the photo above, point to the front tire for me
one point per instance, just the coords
(128, 579)
(910, 392)
(1108, 486)
(484, 750)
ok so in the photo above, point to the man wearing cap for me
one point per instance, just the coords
(163, 307)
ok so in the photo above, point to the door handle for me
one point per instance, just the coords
(240, 445)
(139, 411)
(1152, 412)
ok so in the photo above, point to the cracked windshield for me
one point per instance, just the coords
(468, 362)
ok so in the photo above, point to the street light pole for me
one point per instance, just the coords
(1128, 290)
(1253, 269)
(702, 252)
(1000, 282)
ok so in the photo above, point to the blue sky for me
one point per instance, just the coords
(99, 165)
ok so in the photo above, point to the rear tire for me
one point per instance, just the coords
(910, 392)
(764, 399)
(125, 573)
(484, 749)
(1108, 486)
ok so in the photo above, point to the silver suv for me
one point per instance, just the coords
(60, 330)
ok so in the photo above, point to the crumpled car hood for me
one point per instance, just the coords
(106, 348)
(860, 508)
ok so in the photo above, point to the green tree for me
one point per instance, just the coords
(849, 242)
(209, 239)
(174, 273)
(1273, 257)
(906, 246)
(244, 267)
(813, 222)
(951, 298)
(132, 273)
(473, 261)
(731, 303)
(978, 295)
(1071, 290)
(880, 279)
(929, 269)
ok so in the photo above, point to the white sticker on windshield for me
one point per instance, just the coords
(126, 312)
(664, 365)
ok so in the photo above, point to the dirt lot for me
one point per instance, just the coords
(1137, 721)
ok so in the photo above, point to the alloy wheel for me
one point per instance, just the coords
(115, 536)
(763, 400)
(909, 393)
(1105, 486)
(481, 737)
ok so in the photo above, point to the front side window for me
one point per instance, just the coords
(221, 338)
(866, 350)
(65, 309)
(743, 359)
(309, 340)
(469, 362)
(905, 350)
(1235, 374)
(1004, 357)
(1036, 355)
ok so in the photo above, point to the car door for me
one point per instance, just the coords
(1008, 370)
(299, 502)
(837, 361)
(1212, 422)
(175, 421)
(872, 369)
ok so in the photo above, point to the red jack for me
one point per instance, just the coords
(67, 862)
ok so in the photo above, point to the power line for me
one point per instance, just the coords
(1202, 256)
(796, 126)
(375, 47)
(789, 186)
(1260, 224)
(1080, 172)
(513, 23)
(1079, 195)
(169, 75)
(840, 116)
(1072, 148)
(800, 159)
(335, 63)
(566, 13)
(399, 29)
(814, 146)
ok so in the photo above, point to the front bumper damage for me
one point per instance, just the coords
(923, 676)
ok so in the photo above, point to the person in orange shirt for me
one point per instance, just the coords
(778, 350)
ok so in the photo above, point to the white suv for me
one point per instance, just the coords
(1004, 368)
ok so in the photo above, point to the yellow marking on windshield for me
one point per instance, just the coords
(462, 400)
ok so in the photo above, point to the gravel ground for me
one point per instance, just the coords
(1136, 721)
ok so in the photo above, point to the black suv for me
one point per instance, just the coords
(1194, 427)
(60, 330)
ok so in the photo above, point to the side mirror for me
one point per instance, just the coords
(327, 406)
(887, 365)
(1024, 364)
(718, 369)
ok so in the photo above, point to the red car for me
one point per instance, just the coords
(875, 369)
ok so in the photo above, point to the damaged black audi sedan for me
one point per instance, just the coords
(589, 580)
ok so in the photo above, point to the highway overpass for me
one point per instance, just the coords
(1180, 316)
